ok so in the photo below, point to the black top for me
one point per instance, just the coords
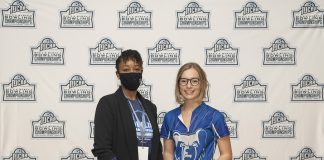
(115, 133)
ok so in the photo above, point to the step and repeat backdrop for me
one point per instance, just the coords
(263, 59)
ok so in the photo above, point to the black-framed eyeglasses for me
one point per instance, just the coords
(193, 81)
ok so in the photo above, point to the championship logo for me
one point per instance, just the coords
(250, 90)
(279, 53)
(105, 53)
(193, 17)
(251, 16)
(163, 54)
(306, 154)
(47, 52)
(308, 16)
(19, 90)
(77, 90)
(92, 125)
(221, 54)
(76, 17)
(77, 154)
(48, 126)
(19, 154)
(231, 125)
(250, 153)
(18, 16)
(160, 119)
(278, 127)
(134, 17)
(307, 90)
(145, 90)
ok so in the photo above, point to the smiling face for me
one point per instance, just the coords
(189, 85)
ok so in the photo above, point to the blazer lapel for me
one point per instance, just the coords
(127, 122)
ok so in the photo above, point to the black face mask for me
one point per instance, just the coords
(130, 81)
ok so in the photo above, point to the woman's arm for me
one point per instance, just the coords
(168, 149)
(225, 149)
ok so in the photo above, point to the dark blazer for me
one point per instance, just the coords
(115, 134)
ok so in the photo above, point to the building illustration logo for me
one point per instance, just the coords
(307, 90)
(308, 16)
(47, 52)
(250, 153)
(251, 16)
(135, 17)
(222, 54)
(231, 125)
(193, 17)
(250, 90)
(17, 15)
(105, 53)
(77, 90)
(92, 125)
(306, 154)
(48, 126)
(77, 154)
(164, 54)
(19, 154)
(160, 119)
(145, 90)
(19, 89)
(279, 53)
(76, 16)
(278, 127)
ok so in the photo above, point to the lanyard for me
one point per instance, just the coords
(142, 124)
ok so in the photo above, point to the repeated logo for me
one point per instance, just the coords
(306, 154)
(249, 153)
(164, 54)
(251, 16)
(77, 90)
(47, 52)
(222, 54)
(278, 127)
(48, 126)
(307, 90)
(279, 53)
(193, 17)
(17, 15)
(19, 89)
(231, 125)
(160, 119)
(19, 154)
(77, 154)
(145, 90)
(105, 53)
(308, 16)
(92, 125)
(250, 90)
(134, 17)
(76, 17)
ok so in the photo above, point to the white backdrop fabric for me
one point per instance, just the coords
(262, 58)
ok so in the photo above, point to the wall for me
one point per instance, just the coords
(262, 59)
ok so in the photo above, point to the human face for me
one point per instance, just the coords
(129, 67)
(189, 91)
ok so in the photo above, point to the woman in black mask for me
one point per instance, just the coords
(126, 123)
